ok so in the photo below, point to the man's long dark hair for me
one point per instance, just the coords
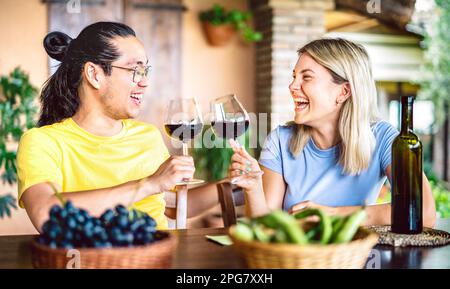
(59, 96)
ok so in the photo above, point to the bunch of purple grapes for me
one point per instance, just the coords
(70, 227)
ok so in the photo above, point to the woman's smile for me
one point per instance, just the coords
(301, 104)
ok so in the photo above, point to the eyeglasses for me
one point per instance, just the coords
(138, 72)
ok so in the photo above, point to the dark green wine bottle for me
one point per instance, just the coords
(406, 204)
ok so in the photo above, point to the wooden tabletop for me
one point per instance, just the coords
(195, 251)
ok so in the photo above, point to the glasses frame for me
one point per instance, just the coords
(144, 71)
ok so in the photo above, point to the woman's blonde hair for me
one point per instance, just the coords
(347, 62)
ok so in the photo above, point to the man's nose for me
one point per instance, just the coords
(144, 81)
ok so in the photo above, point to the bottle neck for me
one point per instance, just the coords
(407, 115)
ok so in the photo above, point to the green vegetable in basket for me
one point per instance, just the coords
(325, 225)
(281, 220)
(260, 233)
(337, 224)
(312, 233)
(280, 227)
(243, 232)
(280, 236)
(350, 227)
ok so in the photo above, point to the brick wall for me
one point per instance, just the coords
(286, 26)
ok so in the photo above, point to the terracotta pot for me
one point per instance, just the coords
(218, 35)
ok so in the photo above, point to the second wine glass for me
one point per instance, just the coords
(229, 121)
(229, 118)
(183, 122)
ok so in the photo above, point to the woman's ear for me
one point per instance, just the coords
(94, 74)
(346, 92)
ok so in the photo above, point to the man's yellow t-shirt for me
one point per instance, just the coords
(65, 154)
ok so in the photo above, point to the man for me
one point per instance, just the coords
(87, 144)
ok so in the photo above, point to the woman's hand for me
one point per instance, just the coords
(309, 204)
(172, 171)
(244, 170)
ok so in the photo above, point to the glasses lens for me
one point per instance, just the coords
(140, 72)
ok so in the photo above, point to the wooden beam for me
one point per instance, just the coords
(357, 26)
(339, 18)
(391, 12)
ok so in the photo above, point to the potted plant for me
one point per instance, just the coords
(17, 111)
(220, 25)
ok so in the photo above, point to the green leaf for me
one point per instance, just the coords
(7, 203)
(2, 158)
(252, 36)
(236, 16)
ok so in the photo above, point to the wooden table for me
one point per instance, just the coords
(195, 251)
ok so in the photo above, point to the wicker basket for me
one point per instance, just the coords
(289, 256)
(152, 256)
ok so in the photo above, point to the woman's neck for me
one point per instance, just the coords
(325, 136)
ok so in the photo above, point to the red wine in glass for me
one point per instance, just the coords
(230, 129)
(183, 123)
(183, 131)
(229, 121)
(229, 118)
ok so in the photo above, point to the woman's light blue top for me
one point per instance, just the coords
(315, 174)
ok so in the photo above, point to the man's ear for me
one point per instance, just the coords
(346, 92)
(94, 74)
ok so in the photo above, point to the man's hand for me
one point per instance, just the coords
(172, 171)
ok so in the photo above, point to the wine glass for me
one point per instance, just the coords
(230, 120)
(183, 123)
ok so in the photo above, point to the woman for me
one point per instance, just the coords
(336, 153)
